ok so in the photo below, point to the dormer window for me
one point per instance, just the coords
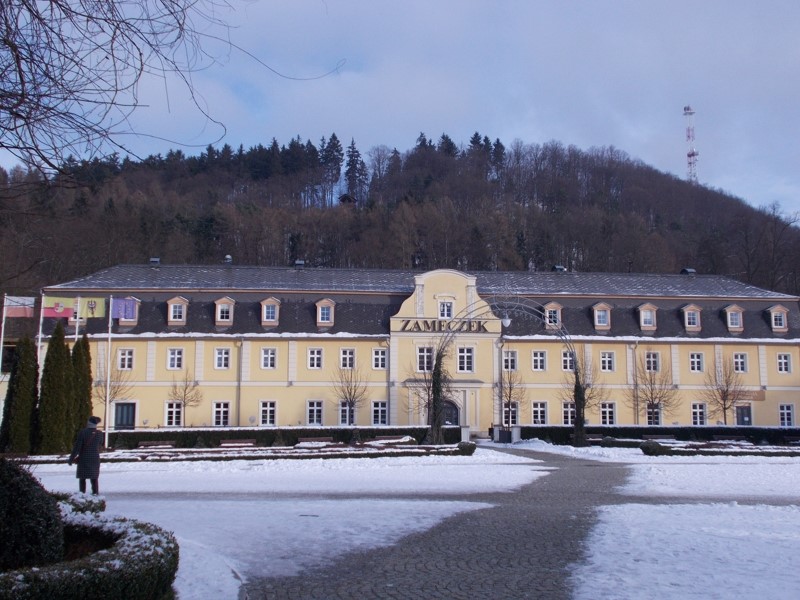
(177, 309)
(224, 312)
(602, 316)
(269, 312)
(647, 317)
(691, 317)
(734, 318)
(325, 312)
(127, 310)
(779, 319)
(552, 315)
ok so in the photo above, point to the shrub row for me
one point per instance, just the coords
(267, 437)
(562, 434)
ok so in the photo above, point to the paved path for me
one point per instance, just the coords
(520, 548)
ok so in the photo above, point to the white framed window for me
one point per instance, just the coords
(740, 362)
(269, 358)
(446, 309)
(511, 413)
(315, 358)
(784, 363)
(222, 358)
(567, 360)
(466, 360)
(174, 359)
(696, 362)
(347, 358)
(224, 312)
(539, 360)
(314, 412)
(379, 359)
(691, 317)
(380, 412)
(568, 413)
(778, 319)
(325, 314)
(647, 317)
(602, 316)
(699, 413)
(553, 316)
(222, 414)
(607, 362)
(539, 415)
(509, 360)
(269, 413)
(125, 359)
(654, 415)
(347, 413)
(177, 312)
(786, 415)
(734, 319)
(424, 359)
(608, 413)
(174, 414)
(270, 313)
(652, 361)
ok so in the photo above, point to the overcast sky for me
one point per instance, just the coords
(593, 73)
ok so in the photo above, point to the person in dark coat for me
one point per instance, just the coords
(86, 452)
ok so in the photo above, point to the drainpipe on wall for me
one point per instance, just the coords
(239, 344)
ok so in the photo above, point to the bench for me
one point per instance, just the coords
(657, 436)
(327, 440)
(730, 438)
(237, 443)
(156, 444)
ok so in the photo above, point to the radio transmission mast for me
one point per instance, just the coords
(692, 154)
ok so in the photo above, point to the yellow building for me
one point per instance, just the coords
(229, 345)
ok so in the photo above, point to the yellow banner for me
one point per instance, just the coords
(92, 307)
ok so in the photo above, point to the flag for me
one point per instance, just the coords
(18, 306)
(92, 307)
(123, 308)
(58, 307)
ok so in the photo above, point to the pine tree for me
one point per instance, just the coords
(52, 435)
(15, 431)
(82, 379)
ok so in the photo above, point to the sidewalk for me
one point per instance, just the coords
(522, 547)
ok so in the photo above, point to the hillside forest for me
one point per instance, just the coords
(476, 206)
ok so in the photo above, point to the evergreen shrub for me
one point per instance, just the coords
(31, 528)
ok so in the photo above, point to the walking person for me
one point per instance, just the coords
(86, 452)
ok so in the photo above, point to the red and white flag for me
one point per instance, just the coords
(18, 306)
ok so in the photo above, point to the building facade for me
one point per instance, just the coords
(227, 345)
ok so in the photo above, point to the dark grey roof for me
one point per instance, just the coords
(133, 278)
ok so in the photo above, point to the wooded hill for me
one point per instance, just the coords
(483, 206)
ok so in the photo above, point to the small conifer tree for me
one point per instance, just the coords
(82, 380)
(21, 396)
(54, 426)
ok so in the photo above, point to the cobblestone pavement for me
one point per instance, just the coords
(520, 548)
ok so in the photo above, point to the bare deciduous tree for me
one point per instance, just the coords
(431, 389)
(509, 393)
(185, 391)
(652, 390)
(723, 390)
(350, 389)
(70, 69)
(582, 388)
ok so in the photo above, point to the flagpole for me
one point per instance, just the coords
(108, 368)
(39, 338)
(3, 334)
(78, 320)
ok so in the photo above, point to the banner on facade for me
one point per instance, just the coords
(18, 307)
(123, 308)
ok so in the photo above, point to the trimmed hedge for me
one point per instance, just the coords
(562, 434)
(140, 563)
(268, 436)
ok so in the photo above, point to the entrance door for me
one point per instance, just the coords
(450, 414)
(744, 415)
(124, 415)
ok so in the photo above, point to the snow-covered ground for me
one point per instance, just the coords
(246, 518)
